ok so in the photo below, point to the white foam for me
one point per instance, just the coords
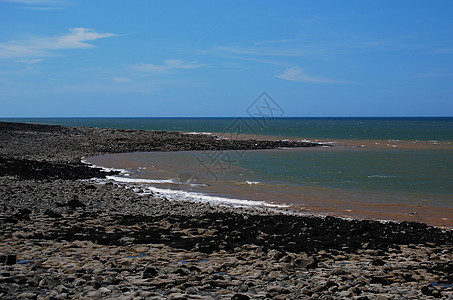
(138, 180)
(180, 195)
(198, 197)
(252, 182)
(105, 169)
(201, 132)
(381, 176)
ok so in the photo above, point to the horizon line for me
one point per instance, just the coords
(217, 117)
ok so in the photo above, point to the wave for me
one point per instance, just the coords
(252, 182)
(138, 180)
(247, 182)
(201, 132)
(199, 197)
(181, 195)
(123, 172)
(381, 176)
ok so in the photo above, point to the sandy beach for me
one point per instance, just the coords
(65, 235)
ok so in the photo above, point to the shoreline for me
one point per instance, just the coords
(65, 237)
(317, 201)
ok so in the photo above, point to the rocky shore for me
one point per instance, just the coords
(65, 235)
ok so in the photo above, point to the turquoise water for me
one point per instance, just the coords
(416, 172)
(440, 129)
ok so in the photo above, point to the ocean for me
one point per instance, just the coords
(382, 168)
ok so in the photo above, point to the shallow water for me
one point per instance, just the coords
(385, 183)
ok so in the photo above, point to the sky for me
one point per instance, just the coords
(118, 58)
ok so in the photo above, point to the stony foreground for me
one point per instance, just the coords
(64, 236)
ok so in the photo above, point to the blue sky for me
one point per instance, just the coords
(213, 58)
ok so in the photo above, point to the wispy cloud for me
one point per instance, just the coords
(262, 51)
(29, 61)
(298, 74)
(122, 79)
(77, 38)
(42, 4)
(106, 88)
(436, 74)
(281, 41)
(168, 65)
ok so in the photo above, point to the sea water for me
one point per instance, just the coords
(382, 168)
(331, 128)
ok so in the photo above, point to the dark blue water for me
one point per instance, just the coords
(439, 129)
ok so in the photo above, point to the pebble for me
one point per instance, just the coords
(80, 238)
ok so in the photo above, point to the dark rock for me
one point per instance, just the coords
(191, 290)
(380, 279)
(378, 262)
(96, 285)
(75, 203)
(149, 272)
(182, 271)
(23, 214)
(240, 297)
(52, 214)
(9, 259)
(429, 290)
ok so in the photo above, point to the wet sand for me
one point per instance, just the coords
(356, 143)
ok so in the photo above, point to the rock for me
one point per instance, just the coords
(177, 296)
(149, 272)
(304, 261)
(52, 214)
(191, 290)
(10, 259)
(74, 204)
(96, 284)
(27, 295)
(104, 290)
(306, 291)
(79, 282)
(378, 262)
(61, 296)
(182, 271)
(379, 279)
(338, 271)
(240, 297)
(429, 290)
(278, 290)
(62, 289)
(243, 288)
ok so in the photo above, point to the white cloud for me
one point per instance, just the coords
(297, 74)
(169, 65)
(77, 38)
